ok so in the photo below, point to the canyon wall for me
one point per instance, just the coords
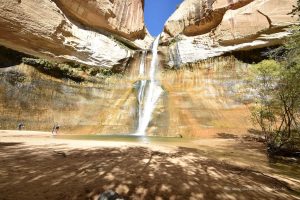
(125, 18)
(201, 29)
(92, 33)
(200, 100)
(39, 101)
(105, 33)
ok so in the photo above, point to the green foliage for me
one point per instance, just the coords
(100, 72)
(267, 70)
(73, 71)
(263, 78)
(13, 77)
(277, 87)
(174, 40)
(78, 66)
(54, 69)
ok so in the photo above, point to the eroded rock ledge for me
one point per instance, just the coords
(208, 28)
(99, 32)
(73, 30)
(125, 18)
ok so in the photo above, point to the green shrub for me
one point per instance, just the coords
(277, 87)
(54, 69)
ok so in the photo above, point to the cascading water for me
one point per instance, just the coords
(149, 95)
(141, 92)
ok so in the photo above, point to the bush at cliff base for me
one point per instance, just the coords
(276, 83)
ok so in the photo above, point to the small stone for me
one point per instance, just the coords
(110, 195)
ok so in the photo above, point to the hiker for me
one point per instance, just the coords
(21, 126)
(55, 129)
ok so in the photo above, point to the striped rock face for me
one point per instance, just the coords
(125, 18)
(210, 28)
(194, 17)
(87, 32)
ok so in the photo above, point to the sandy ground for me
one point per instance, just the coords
(36, 166)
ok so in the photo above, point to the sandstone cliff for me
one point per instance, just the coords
(208, 28)
(125, 18)
(198, 103)
(194, 17)
(73, 31)
(201, 102)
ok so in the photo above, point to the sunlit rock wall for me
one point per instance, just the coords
(198, 30)
(124, 18)
(206, 98)
(199, 100)
(39, 101)
(194, 17)
(43, 29)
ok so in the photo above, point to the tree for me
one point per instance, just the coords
(277, 92)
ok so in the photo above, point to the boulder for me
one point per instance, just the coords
(110, 195)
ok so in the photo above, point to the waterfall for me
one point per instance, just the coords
(142, 64)
(141, 92)
(148, 95)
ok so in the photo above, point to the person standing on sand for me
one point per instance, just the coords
(55, 129)
(21, 126)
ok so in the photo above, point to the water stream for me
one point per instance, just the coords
(142, 85)
(149, 91)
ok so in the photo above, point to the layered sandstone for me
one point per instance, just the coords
(208, 28)
(125, 18)
(199, 103)
(194, 17)
(259, 16)
(45, 29)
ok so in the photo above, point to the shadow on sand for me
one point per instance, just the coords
(41, 172)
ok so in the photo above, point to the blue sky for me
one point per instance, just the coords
(157, 12)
